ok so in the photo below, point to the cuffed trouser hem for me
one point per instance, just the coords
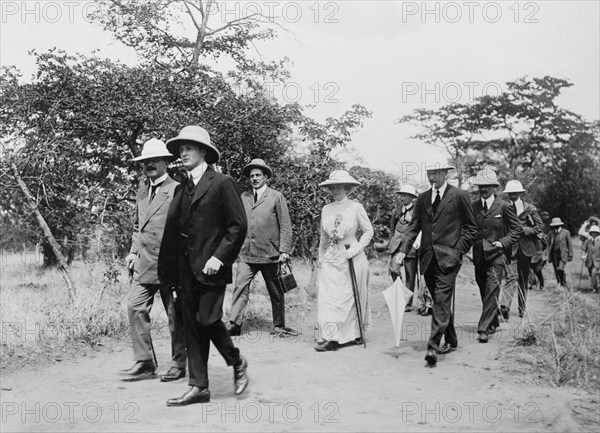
(198, 383)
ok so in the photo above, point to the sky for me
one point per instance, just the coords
(390, 56)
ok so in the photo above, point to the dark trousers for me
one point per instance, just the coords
(537, 268)
(441, 286)
(489, 278)
(517, 279)
(241, 292)
(202, 313)
(139, 305)
(559, 267)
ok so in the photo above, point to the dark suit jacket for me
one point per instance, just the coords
(530, 243)
(148, 228)
(398, 227)
(448, 234)
(499, 223)
(563, 241)
(217, 228)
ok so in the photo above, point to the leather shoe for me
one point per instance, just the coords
(483, 337)
(491, 330)
(191, 396)
(431, 357)
(140, 368)
(174, 373)
(284, 331)
(325, 346)
(427, 312)
(407, 309)
(447, 348)
(240, 377)
(505, 312)
(234, 329)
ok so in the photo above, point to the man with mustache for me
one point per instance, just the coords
(268, 244)
(498, 229)
(151, 207)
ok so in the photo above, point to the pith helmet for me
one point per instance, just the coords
(197, 135)
(513, 186)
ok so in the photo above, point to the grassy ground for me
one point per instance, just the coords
(39, 323)
(557, 342)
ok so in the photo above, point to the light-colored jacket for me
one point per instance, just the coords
(269, 227)
(529, 244)
(592, 259)
(148, 229)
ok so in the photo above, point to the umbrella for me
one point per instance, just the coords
(396, 297)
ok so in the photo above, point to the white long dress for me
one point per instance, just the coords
(337, 316)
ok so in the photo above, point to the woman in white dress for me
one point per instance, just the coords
(340, 221)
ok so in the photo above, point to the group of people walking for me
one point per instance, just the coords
(187, 237)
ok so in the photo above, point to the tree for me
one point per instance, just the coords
(73, 131)
(176, 33)
(525, 135)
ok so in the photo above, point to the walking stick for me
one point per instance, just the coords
(356, 299)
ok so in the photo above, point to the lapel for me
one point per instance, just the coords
(143, 204)
(494, 206)
(159, 199)
(260, 199)
(204, 184)
(447, 198)
(427, 200)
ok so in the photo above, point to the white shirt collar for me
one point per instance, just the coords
(407, 208)
(197, 172)
(441, 190)
(260, 191)
(159, 180)
(519, 206)
(489, 201)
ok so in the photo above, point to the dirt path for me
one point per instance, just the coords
(294, 388)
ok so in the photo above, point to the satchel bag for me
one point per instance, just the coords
(285, 277)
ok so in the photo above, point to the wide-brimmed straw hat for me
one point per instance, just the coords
(154, 148)
(257, 163)
(486, 177)
(407, 189)
(197, 135)
(594, 229)
(513, 186)
(556, 221)
(340, 177)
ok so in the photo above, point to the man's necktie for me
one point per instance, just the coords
(485, 208)
(436, 202)
(153, 189)
(255, 197)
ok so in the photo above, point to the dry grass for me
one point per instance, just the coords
(38, 321)
(563, 343)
